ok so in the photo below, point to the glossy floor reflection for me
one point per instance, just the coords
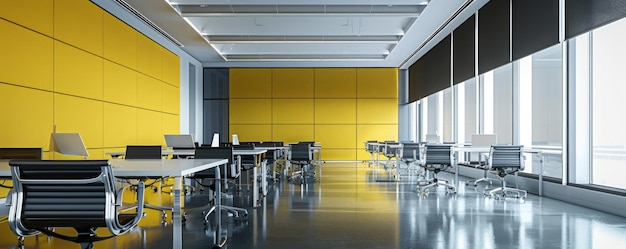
(354, 206)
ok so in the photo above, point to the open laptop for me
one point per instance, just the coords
(68, 144)
(180, 141)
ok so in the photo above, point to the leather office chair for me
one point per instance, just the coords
(436, 158)
(233, 171)
(505, 160)
(272, 156)
(370, 147)
(76, 194)
(300, 154)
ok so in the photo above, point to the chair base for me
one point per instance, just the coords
(503, 192)
(424, 185)
(476, 181)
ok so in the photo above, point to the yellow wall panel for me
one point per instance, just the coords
(79, 23)
(250, 133)
(120, 126)
(335, 83)
(338, 154)
(120, 84)
(36, 16)
(250, 111)
(293, 83)
(77, 72)
(149, 92)
(292, 111)
(335, 111)
(336, 136)
(171, 98)
(26, 56)
(377, 82)
(149, 127)
(363, 155)
(292, 133)
(120, 42)
(375, 132)
(148, 57)
(250, 83)
(171, 68)
(75, 114)
(171, 124)
(26, 117)
(377, 111)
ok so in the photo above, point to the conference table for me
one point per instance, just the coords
(177, 168)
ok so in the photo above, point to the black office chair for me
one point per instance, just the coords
(505, 160)
(370, 147)
(272, 156)
(69, 193)
(436, 158)
(300, 154)
(233, 171)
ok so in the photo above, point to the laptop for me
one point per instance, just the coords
(180, 141)
(68, 144)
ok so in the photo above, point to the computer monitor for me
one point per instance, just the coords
(68, 144)
(179, 141)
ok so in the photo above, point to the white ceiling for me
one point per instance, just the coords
(305, 33)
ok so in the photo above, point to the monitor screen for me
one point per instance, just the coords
(68, 144)
(179, 141)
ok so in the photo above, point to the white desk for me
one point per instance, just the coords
(166, 152)
(157, 168)
(256, 154)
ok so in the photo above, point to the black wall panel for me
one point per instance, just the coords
(493, 35)
(463, 51)
(535, 26)
(584, 15)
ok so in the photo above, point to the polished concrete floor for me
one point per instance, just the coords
(354, 206)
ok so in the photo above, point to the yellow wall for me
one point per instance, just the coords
(339, 107)
(71, 65)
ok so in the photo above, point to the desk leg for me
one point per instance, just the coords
(255, 185)
(456, 169)
(219, 239)
(263, 179)
(177, 236)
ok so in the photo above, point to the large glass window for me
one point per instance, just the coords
(497, 91)
(596, 69)
(607, 100)
(540, 90)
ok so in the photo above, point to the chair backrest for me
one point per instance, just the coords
(440, 154)
(507, 156)
(217, 153)
(63, 193)
(21, 153)
(410, 151)
(244, 146)
(391, 149)
(370, 146)
(143, 152)
(484, 140)
(300, 152)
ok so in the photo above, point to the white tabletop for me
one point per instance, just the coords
(148, 167)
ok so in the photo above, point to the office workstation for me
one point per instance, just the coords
(391, 124)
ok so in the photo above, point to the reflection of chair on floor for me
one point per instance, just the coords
(76, 194)
(505, 160)
(300, 154)
(233, 171)
(436, 158)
